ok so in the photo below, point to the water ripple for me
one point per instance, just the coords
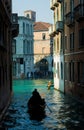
(62, 112)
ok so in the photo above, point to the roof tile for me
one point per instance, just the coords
(41, 26)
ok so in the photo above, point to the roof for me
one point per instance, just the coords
(41, 26)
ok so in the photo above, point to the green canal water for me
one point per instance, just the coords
(62, 112)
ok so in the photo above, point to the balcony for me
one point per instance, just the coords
(53, 4)
(52, 30)
(59, 1)
(59, 26)
(69, 19)
(14, 18)
(79, 12)
(15, 25)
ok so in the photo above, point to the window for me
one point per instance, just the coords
(14, 46)
(28, 47)
(27, 29)
(81, 72)
(70, 71)
(71, 5)
(57, 14)
(27, 15)
(66, 70)
(43, 36)
(57, 44)
(21, 60)
(71, 41)
(81, 38)
(62, 10)
(58, 69)
(31, 29)
(61, 70)
(31, 47)
(24, 46)
(66, 42)
(23, 28)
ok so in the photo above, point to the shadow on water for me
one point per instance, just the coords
(64, 114)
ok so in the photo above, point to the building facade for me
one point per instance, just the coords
(43, 45)
(73, 45)
(6, 36)
(57, 32)
(23, 49)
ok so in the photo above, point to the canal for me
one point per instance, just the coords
(62, 112)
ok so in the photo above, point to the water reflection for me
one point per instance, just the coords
(63, 113)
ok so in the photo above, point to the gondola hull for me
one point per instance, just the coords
(37, 113)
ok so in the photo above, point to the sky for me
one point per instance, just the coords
(41, 7)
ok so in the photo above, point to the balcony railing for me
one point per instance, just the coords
(69, 19)
(79, 12)
(59, 26)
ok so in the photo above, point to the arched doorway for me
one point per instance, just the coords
(42, 69)
(43, 65)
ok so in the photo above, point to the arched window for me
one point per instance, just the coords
(43, 36)
(23, 28)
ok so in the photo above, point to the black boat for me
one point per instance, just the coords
(36, 106)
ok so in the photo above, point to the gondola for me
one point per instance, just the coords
(50, 84)
(36, 107)
(37, 112)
